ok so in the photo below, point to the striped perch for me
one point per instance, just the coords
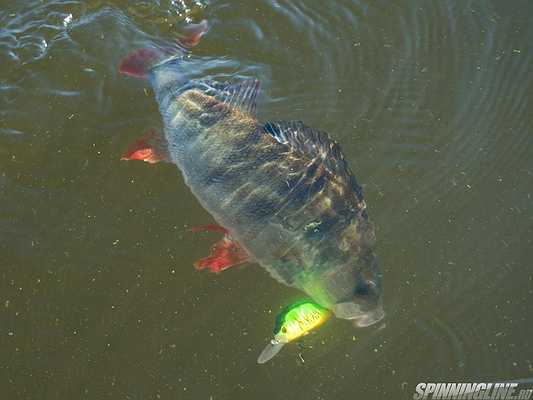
(281, 192)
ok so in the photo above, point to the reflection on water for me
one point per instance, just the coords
(431, 104)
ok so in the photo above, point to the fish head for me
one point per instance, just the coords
(361, 310)
(354, 286)
(364, 305)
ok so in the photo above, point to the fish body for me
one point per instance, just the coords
(282, 190)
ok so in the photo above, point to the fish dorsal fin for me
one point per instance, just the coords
(240, 96)
(315, 145)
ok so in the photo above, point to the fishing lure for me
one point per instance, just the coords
(293, 322)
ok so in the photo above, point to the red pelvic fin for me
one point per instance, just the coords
(192, 34)
(224, 254)
(139, 62)
(152, 148)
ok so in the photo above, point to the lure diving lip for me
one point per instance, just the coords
(293, 322)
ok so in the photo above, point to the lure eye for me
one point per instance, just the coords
(284, 330)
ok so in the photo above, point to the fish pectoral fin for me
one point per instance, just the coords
(226, 253)
(151, 148)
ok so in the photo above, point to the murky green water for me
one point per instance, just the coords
(431, 102)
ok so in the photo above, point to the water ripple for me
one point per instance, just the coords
(429, 100)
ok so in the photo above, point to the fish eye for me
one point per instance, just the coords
(284, 330)
(362, 290)
(366, 293)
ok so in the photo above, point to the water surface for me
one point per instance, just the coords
(431, 102)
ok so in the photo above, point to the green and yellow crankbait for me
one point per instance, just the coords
(293, 322)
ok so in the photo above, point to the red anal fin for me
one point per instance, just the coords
(151, 148)
(225, 254)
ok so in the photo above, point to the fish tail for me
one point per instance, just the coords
(139, 63)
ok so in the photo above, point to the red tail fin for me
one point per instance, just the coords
(139, 62)
(193, 33)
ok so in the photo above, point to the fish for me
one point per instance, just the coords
(293, 322)
(281, 192)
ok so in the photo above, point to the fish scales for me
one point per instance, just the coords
(281, 194)
(204, 153)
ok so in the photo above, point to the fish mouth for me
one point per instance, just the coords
(362, 317)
